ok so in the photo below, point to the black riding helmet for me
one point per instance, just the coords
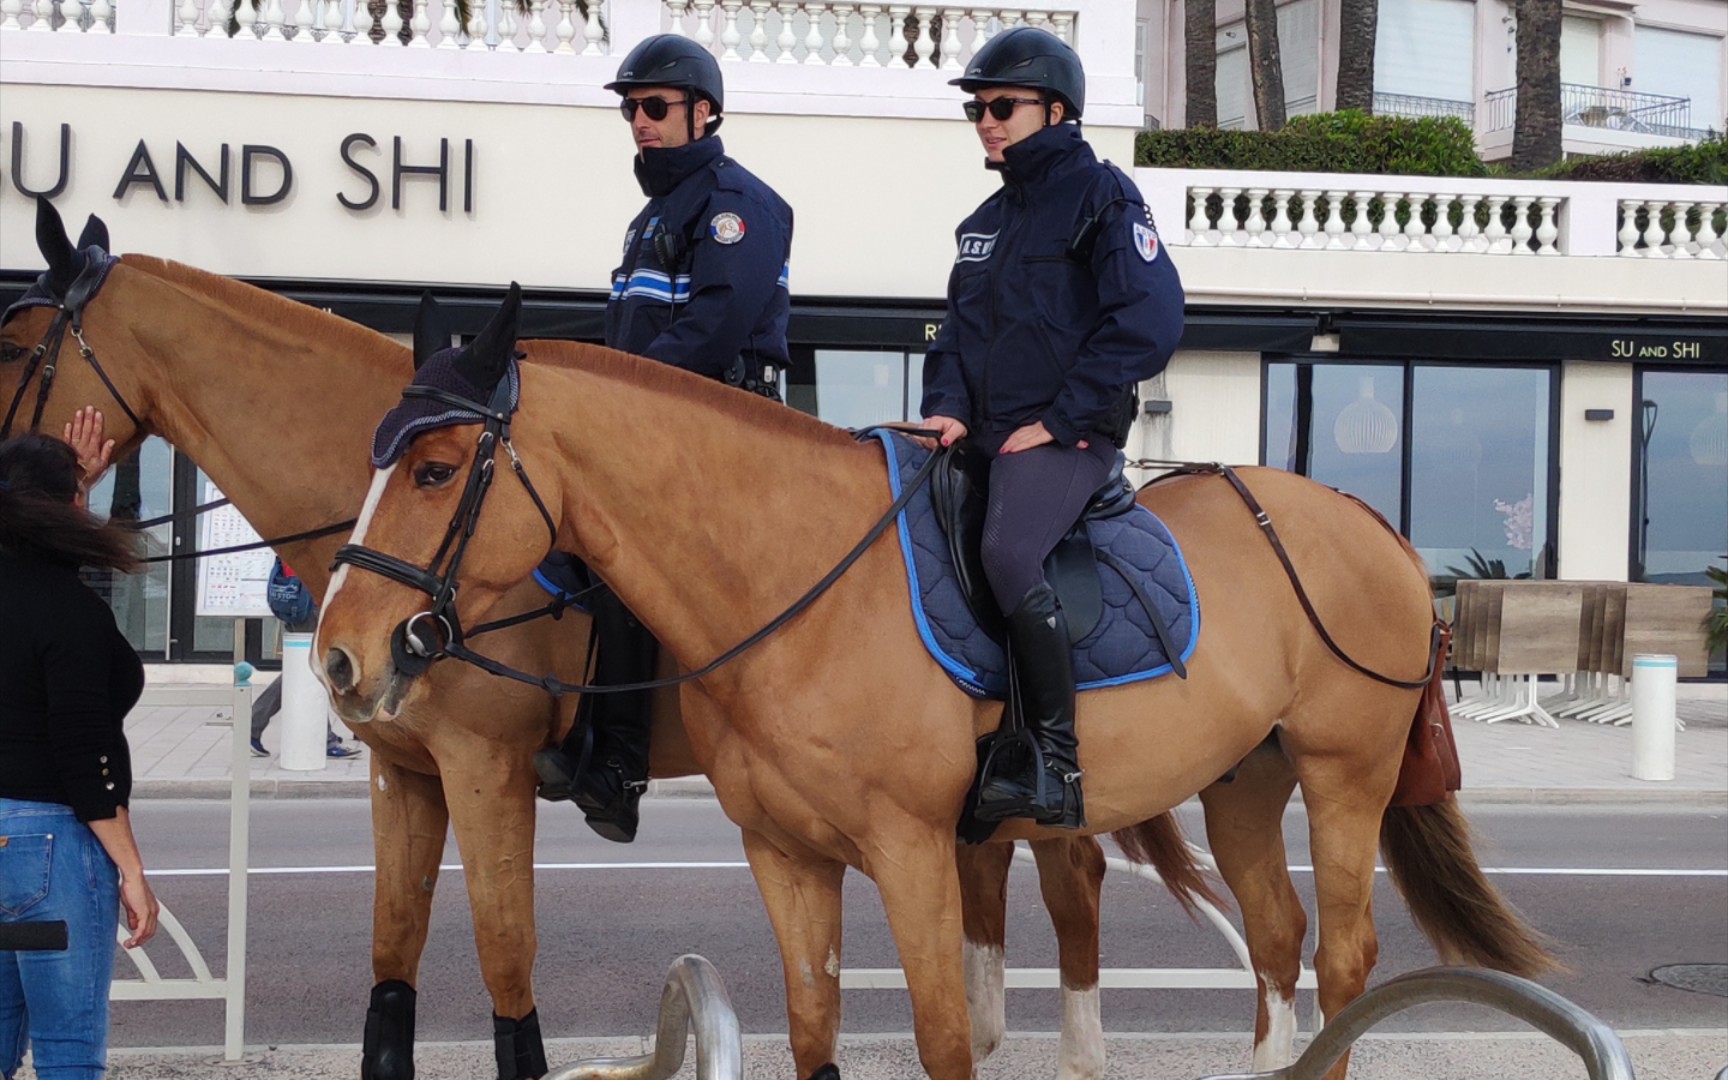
(671, 60)
(1028, 56)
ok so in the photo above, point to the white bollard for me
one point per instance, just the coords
(304, 707)
(1653, 716)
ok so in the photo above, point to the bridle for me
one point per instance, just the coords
(68, 318)
(437, 631)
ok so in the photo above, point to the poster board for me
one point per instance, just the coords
(231, 586)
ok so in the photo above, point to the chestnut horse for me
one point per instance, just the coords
(201, 360)
(838, 741)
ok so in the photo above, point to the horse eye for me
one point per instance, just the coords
(10, 351)
(433, 474)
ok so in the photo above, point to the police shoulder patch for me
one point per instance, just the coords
(1145, 241)
(727, 228)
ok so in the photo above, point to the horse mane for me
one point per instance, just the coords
(752, 409)
(260, 306)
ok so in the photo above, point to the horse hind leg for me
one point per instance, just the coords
(409, 820)
(984, 917)
(1071, 877)
(1244, 826)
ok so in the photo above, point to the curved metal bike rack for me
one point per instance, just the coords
(1604, 1055)
(694, 1001)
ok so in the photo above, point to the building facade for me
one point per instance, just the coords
(1526, 377)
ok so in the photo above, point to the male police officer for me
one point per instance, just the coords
(1061, 300)
(702, 287)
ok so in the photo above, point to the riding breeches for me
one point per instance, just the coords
(1036, 496)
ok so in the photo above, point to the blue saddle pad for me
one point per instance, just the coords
(1123, 648)
(565, 577)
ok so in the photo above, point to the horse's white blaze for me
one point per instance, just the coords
(985, 976)
(370, 507)
(1278, 1048)
(1082, 1047)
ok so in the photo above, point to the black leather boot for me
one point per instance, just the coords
(602, 765)
(1039, 777)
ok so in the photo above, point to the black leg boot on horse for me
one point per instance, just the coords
(1035, 773)
(602, 765)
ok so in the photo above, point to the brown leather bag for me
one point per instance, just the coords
(1430, 770)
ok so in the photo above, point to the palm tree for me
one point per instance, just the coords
(1200, 60)
(1358, 26)
(1536, 131)
(1265, 66)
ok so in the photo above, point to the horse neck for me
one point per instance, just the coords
(706, 524)
(274, 400)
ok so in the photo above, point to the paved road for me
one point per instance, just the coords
(1651, 888)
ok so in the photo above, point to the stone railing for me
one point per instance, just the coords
(845, 35)
(1333, 212)
(541, 26)
(65, 16)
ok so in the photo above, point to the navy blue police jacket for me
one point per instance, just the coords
(1034, 332)
(719, 305)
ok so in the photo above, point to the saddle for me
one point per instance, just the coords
(959, 491)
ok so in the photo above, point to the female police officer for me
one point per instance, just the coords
(1060, 301)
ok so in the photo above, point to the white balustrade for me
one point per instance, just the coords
(1336, 219)
(1677, 229)
(834, 33)
(66, 16)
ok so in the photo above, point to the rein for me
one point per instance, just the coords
(412, 653)
(1261, 518)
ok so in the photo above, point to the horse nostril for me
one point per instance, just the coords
(340, 670)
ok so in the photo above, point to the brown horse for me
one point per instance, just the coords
(199, 360)
(838, 741)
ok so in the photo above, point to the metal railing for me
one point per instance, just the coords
(1604, 107)
(1415, 107)
(1604, 1055)
(694, 1002)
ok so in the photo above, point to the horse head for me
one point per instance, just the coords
(438, 542)
(62, 316)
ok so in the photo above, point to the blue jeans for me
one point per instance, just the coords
(53, 868)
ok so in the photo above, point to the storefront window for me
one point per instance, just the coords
(855, 387)
(1477, 500)
(1683, 458)
(138, 489)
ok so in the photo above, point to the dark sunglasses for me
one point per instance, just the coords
(1002, 108)
(656, 108)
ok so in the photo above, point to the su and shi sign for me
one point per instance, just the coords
(265, 175)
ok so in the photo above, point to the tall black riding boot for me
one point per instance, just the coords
(1041, 779)
(607, 777)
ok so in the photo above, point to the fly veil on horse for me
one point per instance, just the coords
(867, 764)
(172, 351)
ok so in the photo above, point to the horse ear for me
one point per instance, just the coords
(95, 234)
(488, 356)
(63, 260)
(431, 330)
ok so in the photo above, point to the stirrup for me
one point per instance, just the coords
(1011, 807)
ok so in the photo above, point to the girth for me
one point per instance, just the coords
(960, 493)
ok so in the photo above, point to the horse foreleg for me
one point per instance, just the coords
(913, 866)
(802, 893)
(409, 820)
(1071, 876)
(1244, 825)
(492, 809)
(984, 911)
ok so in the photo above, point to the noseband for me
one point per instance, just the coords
(423, 638)
(68, 316)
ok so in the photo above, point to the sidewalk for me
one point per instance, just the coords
(182, 751)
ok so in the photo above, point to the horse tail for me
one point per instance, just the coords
(1431, 860)
(1158, 843)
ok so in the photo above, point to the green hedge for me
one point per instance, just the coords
(1344, 142)
(1354, 142)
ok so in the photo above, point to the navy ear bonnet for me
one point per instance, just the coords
(453, 371)
(49, 290)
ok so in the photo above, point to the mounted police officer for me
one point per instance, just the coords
(1060, 302)
(703, 287)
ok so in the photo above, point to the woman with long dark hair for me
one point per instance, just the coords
(67, 679)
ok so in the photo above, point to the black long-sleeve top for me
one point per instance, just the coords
(68, 677)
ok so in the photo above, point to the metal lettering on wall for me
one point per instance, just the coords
(1653, 349)
(266, 174)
